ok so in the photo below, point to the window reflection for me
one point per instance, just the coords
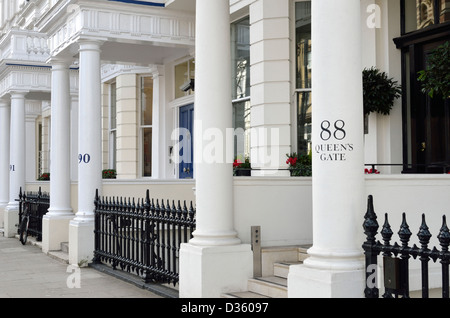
(146, 124)
(240, 39)
(242, 125)
(420, 14)
(303, 75)
(304, 122)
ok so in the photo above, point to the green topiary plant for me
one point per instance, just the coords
(379, 91)
(436, 78)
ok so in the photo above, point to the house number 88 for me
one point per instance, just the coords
(339, 132)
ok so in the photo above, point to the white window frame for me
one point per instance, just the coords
(296, 91)
(141, 129)
(112, 132)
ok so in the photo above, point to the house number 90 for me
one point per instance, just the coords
(86, 158)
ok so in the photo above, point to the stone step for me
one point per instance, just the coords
(281, 269)
(246, 294)
(272, 286)
(61, 255)
(303, 252)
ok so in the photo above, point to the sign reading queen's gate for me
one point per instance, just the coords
(333, 144)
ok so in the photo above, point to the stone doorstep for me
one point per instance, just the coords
(61, 255)
(272, 286)
(263, 287)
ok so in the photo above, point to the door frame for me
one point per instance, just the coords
(186, 170)
(414, 43)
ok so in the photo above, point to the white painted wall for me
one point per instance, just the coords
(281, 206)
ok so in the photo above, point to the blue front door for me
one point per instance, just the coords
(186, 167)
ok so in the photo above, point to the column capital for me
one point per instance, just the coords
(4, 103)
(90, 43)
(157, 71)
(18, 93)
(59, 63)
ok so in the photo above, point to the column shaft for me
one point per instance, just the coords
(89, 130)
(81, 228)
(213, 116)
(60, 202)
(5, 114)
(16, 162)
(55, 223)
(17, 148)
(215, 247)
(335, 265)
(338, 158)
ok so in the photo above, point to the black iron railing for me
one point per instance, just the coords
(396, 256)
(436, 168)
(142, 237)
(39, 203)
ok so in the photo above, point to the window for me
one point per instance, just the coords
(240, 56)
(184, 78)
(241, 124)
(146, 121)
(303, 74)
(112, 126)
(420, 14)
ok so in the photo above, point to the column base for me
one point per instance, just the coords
(307, 282)
(210, 271)
(10, 220)
(55, 230)
(2, 214)
(81, 242)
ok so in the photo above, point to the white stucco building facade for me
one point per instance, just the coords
(88, 86)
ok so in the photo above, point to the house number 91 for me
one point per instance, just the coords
(86, 158)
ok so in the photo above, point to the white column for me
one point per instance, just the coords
(5, 114)
(215, 247)
(81, 230)
(335, 265)
(74, 114)
(17, 162)
(55, 223)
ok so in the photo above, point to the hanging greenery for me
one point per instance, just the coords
(436, 78)
(379, 91)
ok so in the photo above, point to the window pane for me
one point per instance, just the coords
(146, 101)
(184, 73)
(113, 108)
(419, 14)
(147, 152)
(445, 11)
(304, 122)
(113, 150)
(303, 44)
(241, 124)
(240, 38)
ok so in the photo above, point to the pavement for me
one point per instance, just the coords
(27, 272)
